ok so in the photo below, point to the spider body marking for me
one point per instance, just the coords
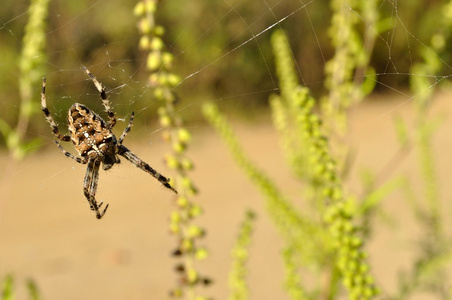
(95, 143)
(91, 135)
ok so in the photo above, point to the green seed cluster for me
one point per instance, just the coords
(350, 257)
(351, 260)
(355, 25)
(323, 176)
(293, 281)
(294, 116)
(159, 62)
(240, 254)
(162, 81)
(349, 55)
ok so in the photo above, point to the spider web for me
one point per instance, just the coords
(209, 62)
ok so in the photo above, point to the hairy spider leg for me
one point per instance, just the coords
(127, 130)
(50, 120)
(138, 162)
(90, 186)
(82, 160)
(103, 96)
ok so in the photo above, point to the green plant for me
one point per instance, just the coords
(30, 64)
(339, 225)
(347, 68)
(428, 271)
(328, 237)
(162, 80)
(7, 289)
(237, 276)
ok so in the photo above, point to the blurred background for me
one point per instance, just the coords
(224, 43)
(223, 54)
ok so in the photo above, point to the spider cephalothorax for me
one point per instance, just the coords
(95, 143)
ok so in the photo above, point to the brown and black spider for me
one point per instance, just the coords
(95, 142)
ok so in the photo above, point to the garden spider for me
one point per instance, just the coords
(95, 142)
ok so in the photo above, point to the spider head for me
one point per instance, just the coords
(109, 161)
(109, 152)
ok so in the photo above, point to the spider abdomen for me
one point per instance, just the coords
(89, 132)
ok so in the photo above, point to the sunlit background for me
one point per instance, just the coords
(52, 246)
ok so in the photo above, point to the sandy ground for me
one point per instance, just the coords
(48, 233)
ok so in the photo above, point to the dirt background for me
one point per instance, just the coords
(48, 233)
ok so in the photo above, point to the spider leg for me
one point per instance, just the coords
(103, 95)
(48, 116)
(127, 130)
(138, 162)
(90, 186)
(82, 160)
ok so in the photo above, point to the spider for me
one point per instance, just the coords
(95, 142)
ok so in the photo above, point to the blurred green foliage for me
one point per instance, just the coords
(205, 36)
(8, 288)
(240, 254)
